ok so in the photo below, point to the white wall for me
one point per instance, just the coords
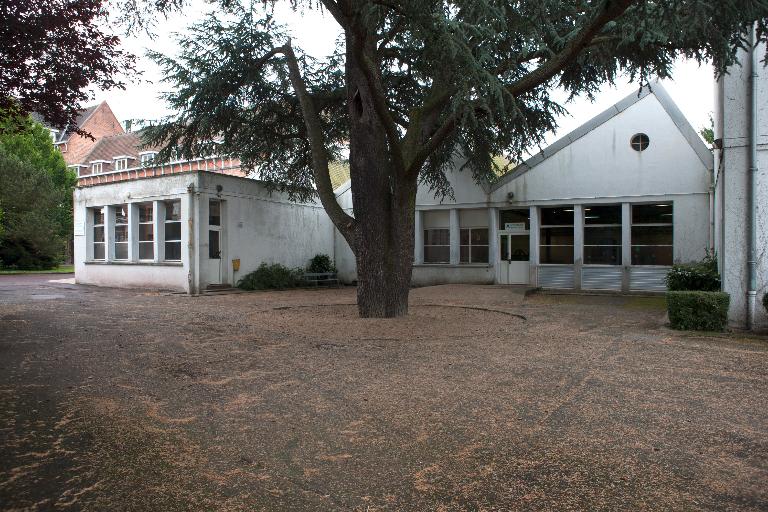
(732, 200)
(602, 164)
(262, 228)
(159, 275)
(257, 227)
(599, 166)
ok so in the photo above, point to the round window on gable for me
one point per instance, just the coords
(639, 142)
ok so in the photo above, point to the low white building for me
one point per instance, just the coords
(741, 133)
(608, 207)
(183, 231)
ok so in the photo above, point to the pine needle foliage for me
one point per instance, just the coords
(468, 75)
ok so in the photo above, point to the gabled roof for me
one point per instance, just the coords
(701, 149)
(82, 118)
(107, 148)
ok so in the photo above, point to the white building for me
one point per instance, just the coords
(608, 207)
(741, 133)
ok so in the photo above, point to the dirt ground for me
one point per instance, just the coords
(482, 399)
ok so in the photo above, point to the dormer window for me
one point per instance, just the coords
(76, 168)
(148, 158)
(121, 164)
(96, 168)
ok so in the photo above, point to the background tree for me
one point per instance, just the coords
(50, 52)
(415, 83)
(35, 197)
(708, 132)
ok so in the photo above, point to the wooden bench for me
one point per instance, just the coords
(321, 278)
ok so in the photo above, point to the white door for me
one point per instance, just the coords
(214, 234)
(514, 258)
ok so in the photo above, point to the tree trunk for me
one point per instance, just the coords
(383, 201)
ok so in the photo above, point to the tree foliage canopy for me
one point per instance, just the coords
(50, 51)
(473, 75)
(35, 197)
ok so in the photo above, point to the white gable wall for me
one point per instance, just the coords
(602, 163)
(599, 166)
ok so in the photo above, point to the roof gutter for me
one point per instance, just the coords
(752, 186)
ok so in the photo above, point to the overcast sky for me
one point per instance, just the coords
(692, 87)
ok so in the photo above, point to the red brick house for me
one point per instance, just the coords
(98, 120)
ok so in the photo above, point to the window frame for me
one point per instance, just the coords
(448, 245)
(125, 224)
(169, 206)
(103, 226)
(543, 226)
(585, 226)
(97, 167)
(151, 224)
(147, 159)
(470, 245)
(640, 145)
(121, 164)
(633, 224)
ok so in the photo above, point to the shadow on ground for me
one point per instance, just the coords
(481, 399)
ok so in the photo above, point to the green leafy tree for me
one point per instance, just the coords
(29, 199)
(32, 163)
(415, 87)
(708, 132)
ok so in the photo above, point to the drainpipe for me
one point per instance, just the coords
(191, 253)
(751, 186)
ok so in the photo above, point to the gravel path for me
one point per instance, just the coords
(481, 399)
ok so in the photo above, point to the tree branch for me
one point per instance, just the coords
(343, 221)
(610, 10)
(380, 106)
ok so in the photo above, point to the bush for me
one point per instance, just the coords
(271, 277)
(701, 276)
(765, 302)
(697, 310)
(321, 263)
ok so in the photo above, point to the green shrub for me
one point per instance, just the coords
(697, 310)
(701, 276)
(321, 263)
(271, 277)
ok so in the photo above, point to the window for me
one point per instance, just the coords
(514, 219)
(121, 164)
(214, 212)
(473, 245)
(172, 227)
(98, 234)
(96, 168)
(214, 228)
(639, 142)
(437, 245)
(147, 159)
(602, 235)
(556, 236)
(146, 231)
(121, 232)
(652, 234)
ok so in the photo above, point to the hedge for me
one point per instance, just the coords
(321, 263)
(702, 276)
(271, 277)
(697, 310)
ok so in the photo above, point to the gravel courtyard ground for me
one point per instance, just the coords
(482, 399)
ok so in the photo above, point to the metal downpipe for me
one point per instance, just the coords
(752, 187)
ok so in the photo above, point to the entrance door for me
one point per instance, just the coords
(514, 258)
(215, 270)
